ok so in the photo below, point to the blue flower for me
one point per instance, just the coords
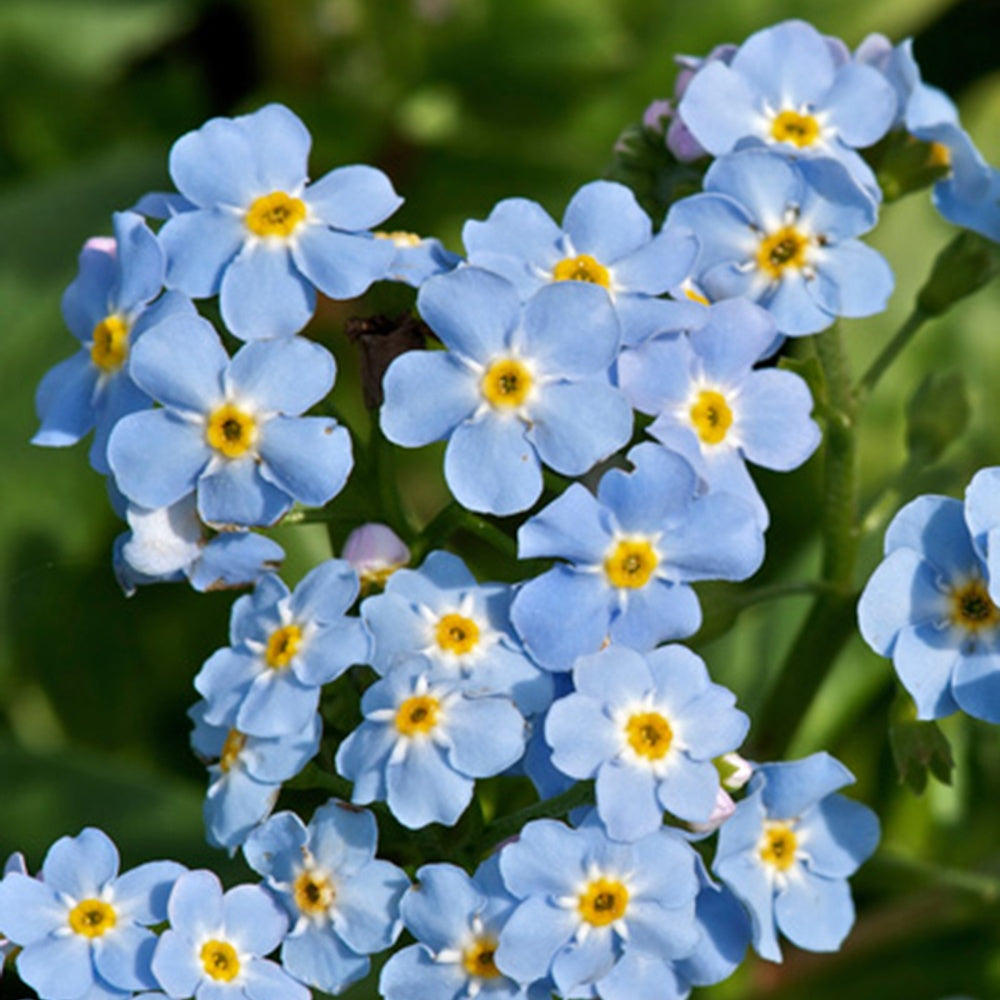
(932, 603)
(586, 903)
(229, 430)
(518, 386)
(285, 645)
(647, 728)
(421, 745)
(260, 235)
(630, 554)
(342, 902)
(171, 543)
(459, 626)
(456, 921)
(417, 258)
(83, 928)
(781, 233)
(246, 777)
(606, 240)
(713, 408)
(214, 946)
(107, 308)
(788, 849)
(786, 88)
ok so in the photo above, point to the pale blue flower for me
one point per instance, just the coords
(259, 234)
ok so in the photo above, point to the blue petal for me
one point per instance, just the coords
(762, 182)
(120, 397)
(423, 789)
(723, 227)
(935, 527)
(427, 394)
(794, 301)
(690, 789)
(660, 265)
(331, 651)
(720, 107)
(341, 265)
(263, 295)
(57, 966)
(660, 489)
(87, 299)
(147, 888)
(638, 974)
(321, 959)
(581, 734)
(123, 958)
(264, 980)
(195, 904)
(570, 329)
(326, 592)
(81, 866)
(571, 527)
(469, 753)
(29, 909)
(361, 758)
(626, 801)
(64, 401)
(547, 859)
(180, 362)
(976, 685)
(274, 848)
(518, 238)
(175, 963)
(368, 907)
(655, 374)
(656, 613)
(792, 786)
(667, 933)
(604, 219)
(276, 704)
(725, 934)
(815, 913)
(736, 335)
(236, 493)
(140, 260)
(234, 559)
(746, 877)
(536, 930)
(582, 962)
(562, 615)
(774, 423)
(839, 835)
(861, 104)
(343, 838)
(412, 974)
(788, 63)
(353, 198)
(576, 424)
(200, 246)
(287, 376)
(280, 146)
(982, 506)
(490, 465)
(215, 164)
(309, 458)
(472, 311)
(253, 920)
(861, 276)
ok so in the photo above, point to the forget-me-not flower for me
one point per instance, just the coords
(423, 742)
(782, 233)
(83, 928)
(260, 235)
(788, 849)
(107, 308)
(342, 902)
(933, 603)
(785, 87)
(216, 941)
(285, 646)
(585, 902)
(231, 431)
(518, 386)
(647, 728)
(630, 554)
(462, 627)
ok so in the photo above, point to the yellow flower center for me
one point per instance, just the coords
(506, 383)
(231, 749)
(417, 715)
(711, 416)
(695, 296)
(782, 249)
(110, 343)
(275, 214)
(649, 735)
(630, 563)
(400, 238)
(582, 268)
(282, 645)
(220, 961)
(778, 846)
(313, 892)
(231, 431)
(477, 959)
(971, 607)
(603, 902)
(790, 126)
(938, 155)
(457, 634)
(92, 918)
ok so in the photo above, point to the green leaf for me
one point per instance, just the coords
(937, 413)
(918, 746)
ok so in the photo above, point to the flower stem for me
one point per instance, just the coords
(900, 339)
(581, 794)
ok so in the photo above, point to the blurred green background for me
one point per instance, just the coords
(462, 102)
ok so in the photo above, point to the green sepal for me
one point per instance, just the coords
(937, 413)
(904, 164)
(966, 264)
(918, 746)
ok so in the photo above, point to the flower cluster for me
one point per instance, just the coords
(602, 390)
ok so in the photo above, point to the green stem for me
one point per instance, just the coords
(581, 794)
(384, 476)
(986, 887)
(900, 339)
(454, 518)
(831, 619)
